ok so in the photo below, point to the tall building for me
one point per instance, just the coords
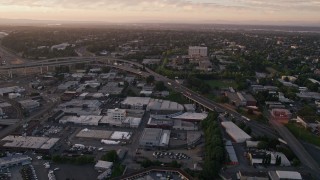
(198, 51)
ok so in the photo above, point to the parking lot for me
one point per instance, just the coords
(171, 155)
(187, 158)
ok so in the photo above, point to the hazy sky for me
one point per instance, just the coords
(187, 11)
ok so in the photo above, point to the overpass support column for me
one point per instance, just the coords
(25, 71)
(10, 73)
(47, 68)
(41, 70)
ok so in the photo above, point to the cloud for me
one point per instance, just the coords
(163, 5)
(174, 9)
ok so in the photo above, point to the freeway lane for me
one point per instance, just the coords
(295, 145)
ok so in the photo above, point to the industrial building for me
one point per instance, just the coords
(154, 138)
(309, 95)
(257, 157)
(278, 175)
(14, 160)
(281, 115)
(189, 107)
(152, 105)
(90, 120)
(103, 165)
(135, 102)
(156, 173)
(241, 99)
(308, 122)
(41, 144)
(164, 106)
(95, 134)
(81, 103)
(68, 85)
(197, 51)
(112, 88)
(29, 104)
(191, 116)
(79, 107)
(56, 116)
(160, 123)
(13, 89)
(231, 154)
(244, 175)
(237, 134)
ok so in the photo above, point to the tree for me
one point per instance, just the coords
(150, 79)
(110, 156)
(175, 164)
(248, 130)
(262, 145)
(250, 111)
(286, 79)
(160, 86)
(295, 162)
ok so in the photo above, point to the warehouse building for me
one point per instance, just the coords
(281, 115)
(164, 106)
(14, 160)
(231, 154)
(237, 134)
(154, 138)
(56, 116)
(189, 107)
(191, 116)
(17, 143)
(135, 102)
(29, 104)
(95, 134)
(278, 175)
(153, 105)
(103, 165)
(13, 89)
(79, 107)
(160, 123)
(90, 120)
(68, 85)
(112, 88)
(244, 175)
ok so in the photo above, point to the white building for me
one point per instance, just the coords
(277, 175)
(103, 165)
(237, 134)
(154, 137)
(197, 51)
(117, 114)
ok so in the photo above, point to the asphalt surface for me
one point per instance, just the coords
(296, 146)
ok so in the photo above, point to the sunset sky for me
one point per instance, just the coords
(185, 11)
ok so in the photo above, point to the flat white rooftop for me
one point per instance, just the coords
(191, 116)
(29, 142)
(97, 134)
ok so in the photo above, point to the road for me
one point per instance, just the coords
(10, 57)
(295, 146)
(12, 128)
